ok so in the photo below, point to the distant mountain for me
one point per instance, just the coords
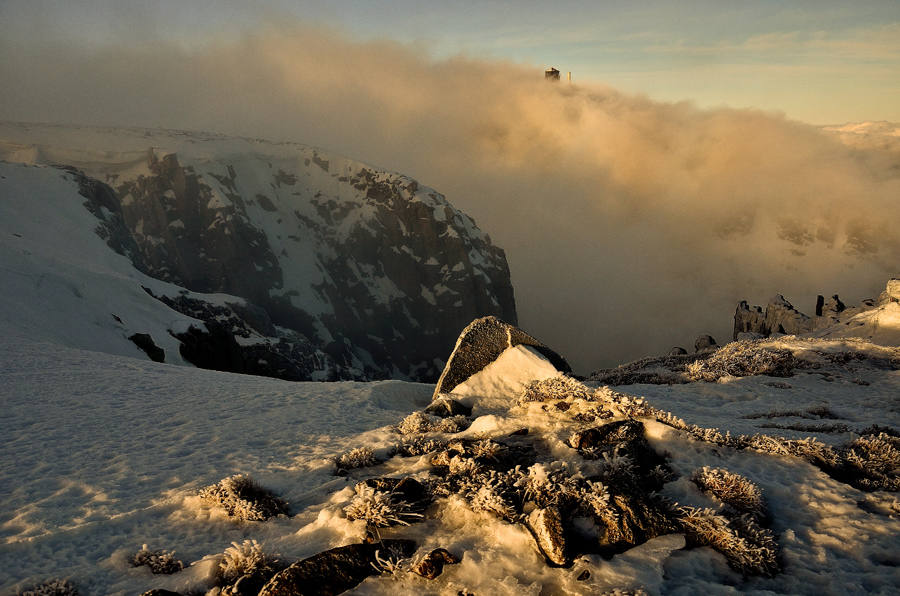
(347, 271)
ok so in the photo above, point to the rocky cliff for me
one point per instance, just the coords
(371, 268)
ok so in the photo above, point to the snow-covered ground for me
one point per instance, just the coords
(103, 454)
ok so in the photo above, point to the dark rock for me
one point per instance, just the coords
(145, 343)
(159, 592)
(780, 317)
(251, 584)
(677, 351)
(432, 565)
(633, 519)
(214, 348)
(334, 571)
(748, 319)
(406, 489)
(275, 352)
(480, 344)
(704, 343)
(446, 407)
(546, 527)
(583, 576)
(609, 434)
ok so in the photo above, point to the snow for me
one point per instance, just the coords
(508, 374)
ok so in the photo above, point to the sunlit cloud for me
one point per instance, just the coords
(630, 225)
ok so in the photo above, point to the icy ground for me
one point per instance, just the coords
(103, 454)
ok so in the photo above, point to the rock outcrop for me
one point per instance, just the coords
(780, 316)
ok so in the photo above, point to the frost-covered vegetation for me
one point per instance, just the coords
(732, 489)
(244, 499)
(379, 509)
(743, 359)
(53, 587)
(246, 562)
(361, 457)
(419, 422)
(748, 547)
(159, 561)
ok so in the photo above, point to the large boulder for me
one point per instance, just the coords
(480, 344)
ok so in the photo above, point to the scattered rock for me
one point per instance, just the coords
(145, 343)
(432, 565)
(213, 348)
(333, 571)
(408, 490)
(446, 407)
(633, 519)
(704, 343)
(480, 344)
(546, 526)
(608, 434)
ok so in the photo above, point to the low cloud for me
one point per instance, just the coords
(630, 225)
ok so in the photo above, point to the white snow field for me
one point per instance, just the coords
(103, 451)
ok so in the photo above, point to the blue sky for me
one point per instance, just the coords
(817, 61)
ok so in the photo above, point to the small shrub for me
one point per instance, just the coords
(242, 498)
(748, 548)
(554, 388)
(743, 359)
(487, 449)
(379, 508)
(732, 489)
(824, 427)
(392, 561)
(417, 447)
(419, 422)
(875, 455)
(361, 457)
(159, 561)
(488, 499)
(51, 587)
(247, 559)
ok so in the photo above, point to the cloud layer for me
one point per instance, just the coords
(630, 225)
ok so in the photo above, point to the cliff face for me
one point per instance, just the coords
(377, 271)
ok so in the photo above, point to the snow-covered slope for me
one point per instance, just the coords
(104, 454)
(60, 282)
(371, 267)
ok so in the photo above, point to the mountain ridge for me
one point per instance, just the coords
(370, 266)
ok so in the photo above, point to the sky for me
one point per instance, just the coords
(821, 62)
(682, 170)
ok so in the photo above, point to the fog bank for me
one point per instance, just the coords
(630, 225)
